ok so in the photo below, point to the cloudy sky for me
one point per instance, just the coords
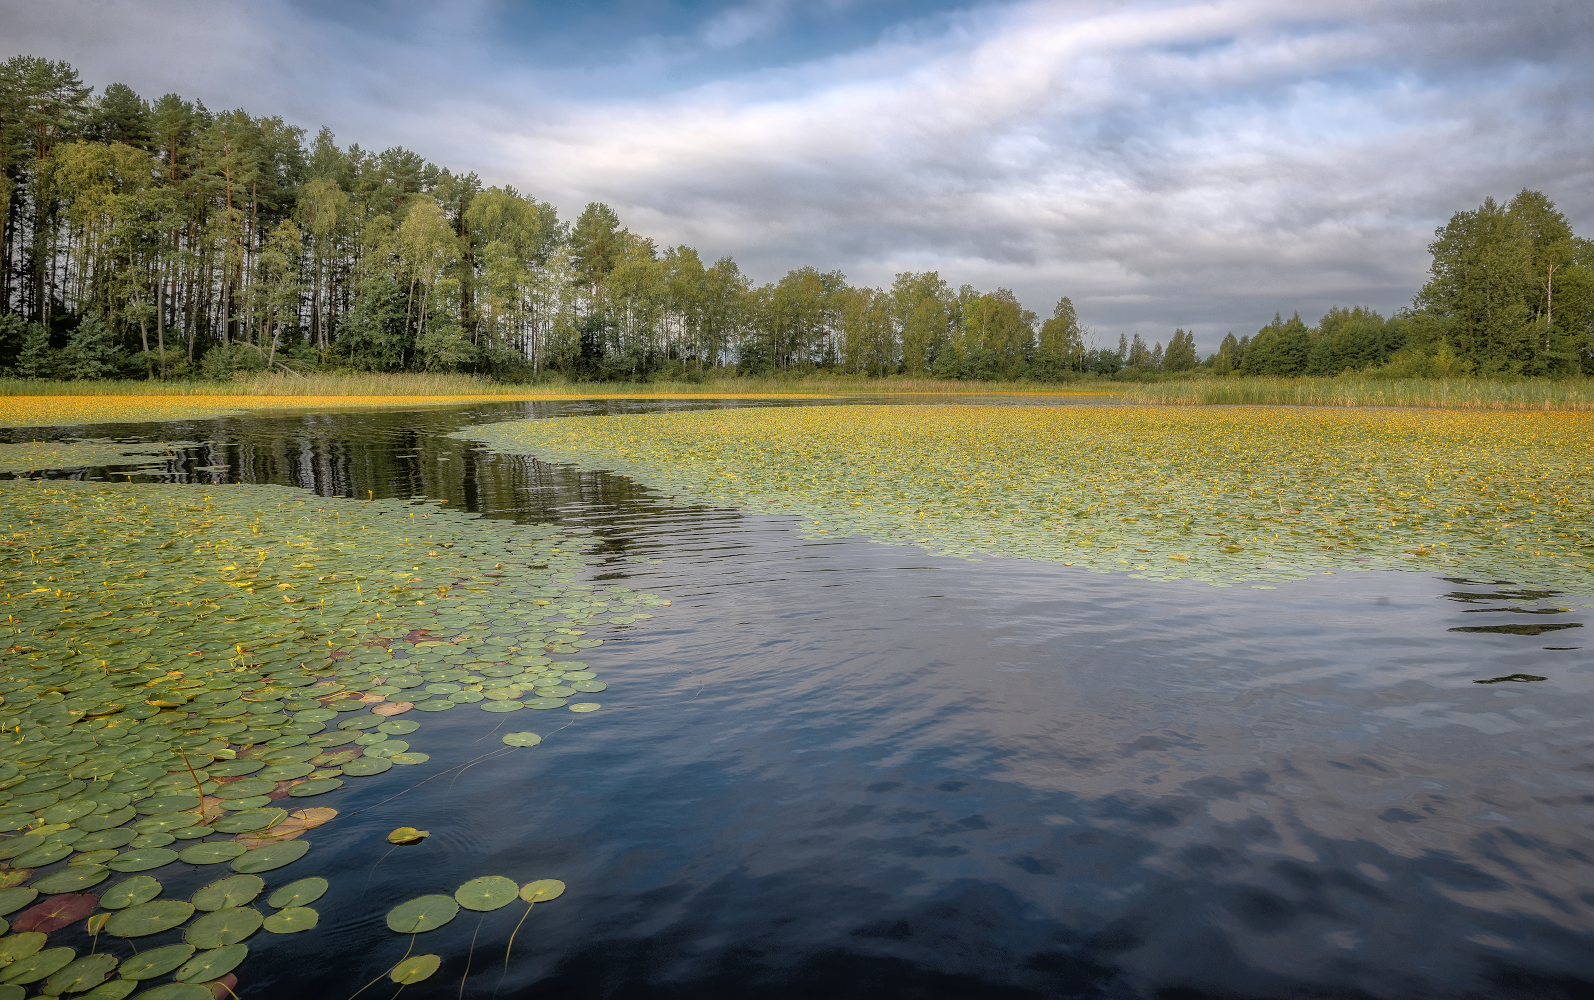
(1163, 163)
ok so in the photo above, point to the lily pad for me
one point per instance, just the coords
(214, 964)
(142, 860)
(488, 892)
(542, 890)
(291, 920)
(245, 788)
(434, 706)
(74, 879)
(55, 913)
(424, 913)
(407, 835)
(315, 786)
(585, 706)
(211, 853)
(503, 706)
(130, 892)
(522, 739)
(301, 893)
(16, 947)
(398, 727)
(105, 839)
(544, 703)
(249, 820)
(365, 766)
(286, 772)
(270, 857)
(156, 961)
(82, 974)
(225, 926)
(21, 845)
(235, 768)
(585, 687)
(413, 970)
(37, 966)
(234, 890)
(148, 918)
(45, 854)
(167, 804)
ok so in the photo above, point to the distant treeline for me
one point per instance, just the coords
(160, 239)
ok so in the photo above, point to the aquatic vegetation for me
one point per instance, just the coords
(35, 456)
(1221, 495)
(1347, 390)
(181, 666)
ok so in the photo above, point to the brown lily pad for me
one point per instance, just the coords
(297, 822)
(392, 708)
(56, 912)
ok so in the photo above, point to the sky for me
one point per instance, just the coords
(1164, 164)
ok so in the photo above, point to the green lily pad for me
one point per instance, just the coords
(66, 812)
(413, 970)
(130, 892)
(544, 703)
(424, 913)
(37, 966)
(249, 820)
(291, 920)
(364, 766)
(74, 879)
(45, 854)
(214, 964)
(301, 893)
(234, 890)
(314, 715)
(225, 926)
(272, 856)
(435, 705)
(177, 991)
(586, 706)
(192, 832)
(142, 860)
(410, 758)
(156, 961)
(166, 823)
(387, 748)
(211, 853)
(105, 839)
(315, 786)
(522, 739)
(286, 772)
(488, 892)
(161, 804)
(82, 974)
(20, 845)
(148, 918)
(235, 768)
(542, 890)
(362, 722)
(15, 821)
(245, 788)
(398, 727)
(585, 687)
(501, 706)
(19, 946)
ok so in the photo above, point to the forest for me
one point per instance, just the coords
(159, 239)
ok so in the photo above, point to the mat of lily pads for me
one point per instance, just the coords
(189, 674)
(35, 456)
(1220, 494)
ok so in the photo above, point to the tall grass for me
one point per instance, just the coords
(1450, 394)
(404, 384)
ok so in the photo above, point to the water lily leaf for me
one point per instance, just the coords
(45, 854)
(365, 766)
(225, 926)
(82, 974)
(286, 772)
(54, 914)
(130, 892)
(366, 721)
(413, 970)
(234, 890)
(272, 856)
(315, 786)
(212, 964)
(105, 839)
(502, 706)
(542, 890)
(16, 947)
(544, 703)
(407, 835)
(177, 991)
(249, 820)
(156, 961)
(142, 860)
(436, 705)
(21, 845)
(522, 739)
(73, 879)
(293, 825)
(424, 913)
(148, 918)
(586, 706)
(166, 822)
(66, 812)
(291, 920)
(301, 893)
(210, 853)
(245, 788)
(161, 804)
(398, 727)
(37, 966)
(488, 892)
(235, 768)
(585, 687)
(392, 708)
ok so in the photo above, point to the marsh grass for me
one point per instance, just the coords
(1443, 394)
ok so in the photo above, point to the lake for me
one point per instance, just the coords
(839, 768)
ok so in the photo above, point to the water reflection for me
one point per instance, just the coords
(856, 770)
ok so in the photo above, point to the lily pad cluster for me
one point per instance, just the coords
(481, 895)
(1224, 495)
(36, 456)
(183, 670)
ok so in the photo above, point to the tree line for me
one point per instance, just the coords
(160, 239)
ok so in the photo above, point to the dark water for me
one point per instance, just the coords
(841, 769)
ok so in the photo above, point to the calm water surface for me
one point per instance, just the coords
(843, 769)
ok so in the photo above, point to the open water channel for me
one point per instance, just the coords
(834, 768)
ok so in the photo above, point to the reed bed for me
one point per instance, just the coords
(1442, 394)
